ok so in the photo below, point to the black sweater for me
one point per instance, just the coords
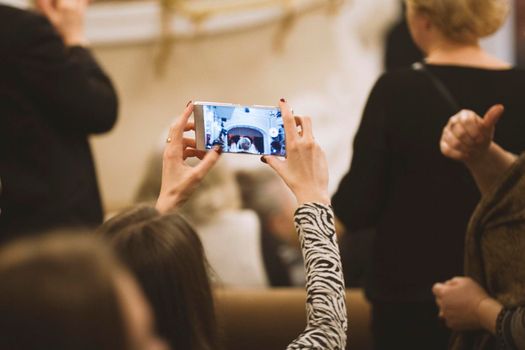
(418, 201)
(51, 99)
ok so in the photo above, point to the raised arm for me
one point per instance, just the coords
(58, 73)
(306, 173)
(325, 308)
(469, 138)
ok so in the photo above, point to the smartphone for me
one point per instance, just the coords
(239, 129)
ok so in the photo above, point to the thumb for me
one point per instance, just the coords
(492, 116)
(209, 160)
(274, 162)
(46, 7)
(437, 289)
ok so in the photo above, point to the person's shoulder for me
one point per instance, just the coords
(8, 12)
(244, 220)
(398, 80)
(18, 26)
(394, 76)
(13, 17)
(510, 82)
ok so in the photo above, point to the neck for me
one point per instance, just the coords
(447, 50)
(463, 54)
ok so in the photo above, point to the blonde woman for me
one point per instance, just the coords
(399, 183)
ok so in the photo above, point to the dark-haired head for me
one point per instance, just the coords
(66, 292)
(167, 258)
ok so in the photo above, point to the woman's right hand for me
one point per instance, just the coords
(305, 168)
(179, 179)
(468, 137)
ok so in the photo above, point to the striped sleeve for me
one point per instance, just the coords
(510, 328)
(325, 304)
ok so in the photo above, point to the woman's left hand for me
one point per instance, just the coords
(179, 180)
(459, 301)
(305, 169)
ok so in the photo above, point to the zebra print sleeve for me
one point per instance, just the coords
(325, 304)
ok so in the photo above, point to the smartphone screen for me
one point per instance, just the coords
(244, 129)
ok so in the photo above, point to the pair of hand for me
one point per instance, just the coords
(67, 16)
(304, 170)
(467, 137)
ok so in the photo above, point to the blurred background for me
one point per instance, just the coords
(322, 55)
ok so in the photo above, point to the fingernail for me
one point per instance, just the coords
(264, 160)
(217, 149)
(283, 100)
(189, 103)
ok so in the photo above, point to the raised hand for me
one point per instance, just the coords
(305, 169)
(468, 137)
(179, 180)
(68, 17)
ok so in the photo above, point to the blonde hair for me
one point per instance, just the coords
(217, 192)
(464, 20)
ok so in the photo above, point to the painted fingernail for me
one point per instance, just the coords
(189, 103)
(283, 100)
(264, 160)
(217, 149)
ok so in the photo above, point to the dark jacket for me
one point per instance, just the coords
(495, 251)
(51, 98)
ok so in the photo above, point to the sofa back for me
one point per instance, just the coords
(271, 319)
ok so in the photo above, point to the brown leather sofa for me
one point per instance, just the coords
(271, 319)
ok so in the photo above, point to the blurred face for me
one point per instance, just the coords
(138, 316)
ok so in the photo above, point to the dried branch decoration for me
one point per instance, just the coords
(198, 12)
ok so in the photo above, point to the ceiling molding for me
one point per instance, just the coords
(124, 22)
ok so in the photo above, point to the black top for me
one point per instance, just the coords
(51, 99)
(400, 49)
(400, 183)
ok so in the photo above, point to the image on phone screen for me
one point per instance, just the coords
(239, 129)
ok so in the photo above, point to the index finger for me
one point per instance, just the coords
(177, 130)
(209, 160)
(290, 129)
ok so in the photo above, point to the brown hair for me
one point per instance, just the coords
(59, 292)
(464, 20)
(168, 260)
(217, 192)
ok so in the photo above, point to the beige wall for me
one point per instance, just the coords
(315, 72)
